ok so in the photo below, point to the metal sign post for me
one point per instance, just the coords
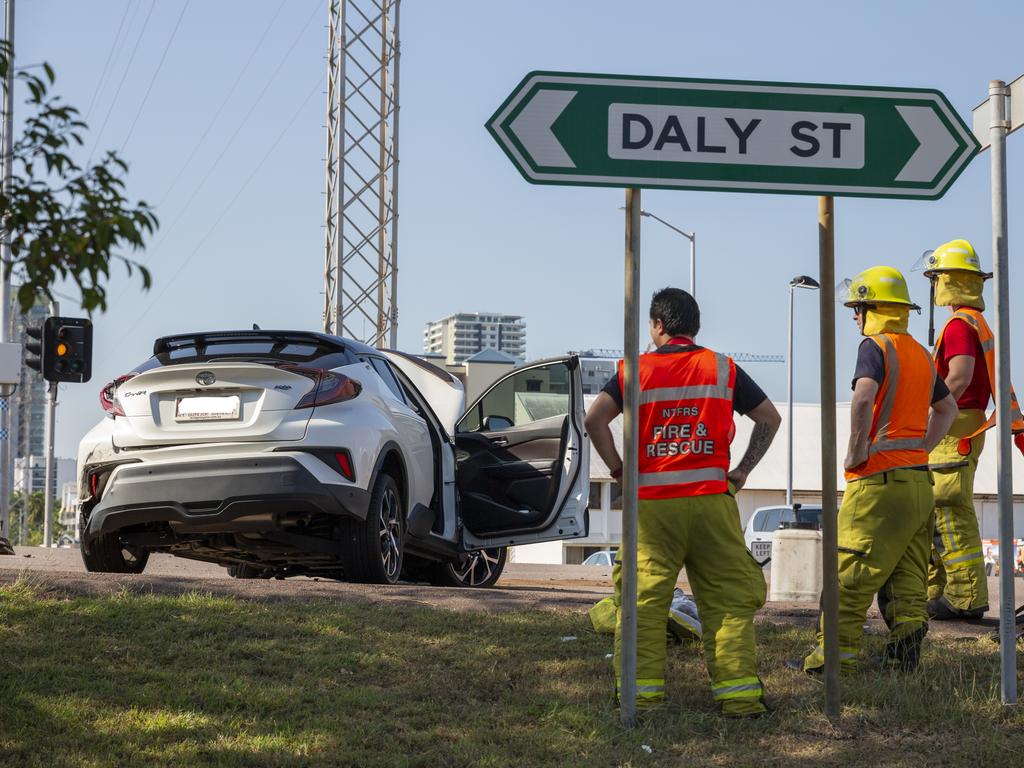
(48, 489)
(829, 514)
(630, 459)
(998, 128)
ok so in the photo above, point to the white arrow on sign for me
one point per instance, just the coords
(533, 128)
(936, 144)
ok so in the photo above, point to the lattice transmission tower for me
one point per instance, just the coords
(361, 213)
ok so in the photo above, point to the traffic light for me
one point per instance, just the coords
(61, 349)
(34, 349)
(67, 349)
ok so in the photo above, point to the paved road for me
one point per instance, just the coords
(521, 587)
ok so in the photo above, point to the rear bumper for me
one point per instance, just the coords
(226, 496)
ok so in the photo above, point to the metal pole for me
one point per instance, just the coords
(789, 407)
(693, 265)
(630, 456)
(7, 170)
(829, 522)
(51, 407)
(1004, 468)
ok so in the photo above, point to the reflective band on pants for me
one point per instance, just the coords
(968, 555)
(646, 688)
(743, 687)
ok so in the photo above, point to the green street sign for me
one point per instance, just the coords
(732, 136)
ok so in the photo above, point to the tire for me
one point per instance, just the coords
(480, 568)
(375, 548)
(246, 571)
(106, 554)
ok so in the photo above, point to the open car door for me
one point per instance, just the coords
(523, 459)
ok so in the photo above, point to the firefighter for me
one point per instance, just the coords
(687, 514)
(885, 520)
(965, 356)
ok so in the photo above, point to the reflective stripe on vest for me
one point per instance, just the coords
(685, 423)
(900, 415)
(986, 339)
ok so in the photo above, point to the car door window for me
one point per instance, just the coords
(772, 518)
(388, 377)
(531, 396)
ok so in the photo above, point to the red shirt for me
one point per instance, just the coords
(960, 339)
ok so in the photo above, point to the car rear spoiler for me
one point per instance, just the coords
(200, 341)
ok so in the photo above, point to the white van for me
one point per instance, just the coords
(766, 520)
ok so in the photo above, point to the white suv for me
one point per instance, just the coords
(278, 453)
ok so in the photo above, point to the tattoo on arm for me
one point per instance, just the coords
(760, 439)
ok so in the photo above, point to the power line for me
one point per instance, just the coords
(113, 47)
(138, 320)
(223, 104)
(156, 73)
(124, 76)
(230, 142)
(163, 233)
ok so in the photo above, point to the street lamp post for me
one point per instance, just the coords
(801, 281)
(692, 237)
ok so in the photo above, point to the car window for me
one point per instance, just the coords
(527, 396)
(809, 515)
(770, 519)
(384, 371)
(256, 347)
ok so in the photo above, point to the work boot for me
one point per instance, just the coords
(904, 653)
(941, 609)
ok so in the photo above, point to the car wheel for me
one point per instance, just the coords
(246, 571)
(480, 568)
(375, 547)
(106, 554)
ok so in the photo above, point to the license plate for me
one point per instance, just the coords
(761, 550)
(207, 408)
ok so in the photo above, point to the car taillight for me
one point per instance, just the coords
(329, 387)
(108, 395)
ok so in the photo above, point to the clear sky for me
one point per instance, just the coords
(228, 143)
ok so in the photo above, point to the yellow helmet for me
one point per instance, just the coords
(954, 255)
(877, 285)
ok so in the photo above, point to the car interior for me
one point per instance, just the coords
(510, 450)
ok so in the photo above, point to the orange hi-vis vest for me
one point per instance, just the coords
(900, 416)
(987, 339)
(685, 422)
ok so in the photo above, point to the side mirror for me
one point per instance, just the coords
(494, 423)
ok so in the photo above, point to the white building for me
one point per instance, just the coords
(766, 485)
(462, 335)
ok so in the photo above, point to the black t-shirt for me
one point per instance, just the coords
(746, 394)
(871, 365)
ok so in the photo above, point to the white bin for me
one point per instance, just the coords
(796, 566)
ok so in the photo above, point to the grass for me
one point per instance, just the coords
(194, 680)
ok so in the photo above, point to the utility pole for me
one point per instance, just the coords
(6, 169)
(361, 205)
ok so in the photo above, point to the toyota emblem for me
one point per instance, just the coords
(206, 378)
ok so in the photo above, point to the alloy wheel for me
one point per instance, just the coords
(390, 535)
(478, 566)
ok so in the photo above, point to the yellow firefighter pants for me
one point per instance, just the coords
(885, 526)
(958, 563)
(703, 533)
